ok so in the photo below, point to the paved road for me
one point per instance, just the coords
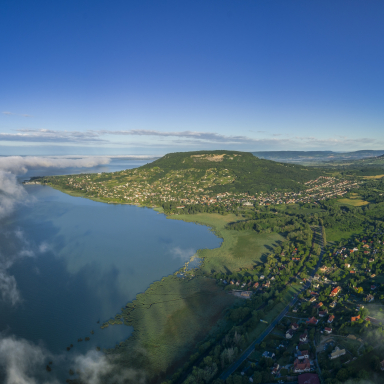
(251, 348)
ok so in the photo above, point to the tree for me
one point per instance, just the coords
(342, 375)
(257, 377)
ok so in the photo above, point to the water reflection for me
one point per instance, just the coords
(86, 261)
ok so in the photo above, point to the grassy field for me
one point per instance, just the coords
(335, 235)
(240, 249)
(355, 201)
(168, 319)
(373, 177)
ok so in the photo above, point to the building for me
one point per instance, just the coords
(353, 319)
(328, 330)
(312, 321)
(304, 337)
(335, 292)
(276, 369)
(289, 334)
(295, 326)
(300, 366)
(246, 294)
(308, 378)
(336, 353)
(303, 355)
(330, 319)
(268, 355)
(369, 298)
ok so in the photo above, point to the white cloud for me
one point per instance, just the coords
(45, 135)
(183, 254)
(20, 165)
(96, 368)
(24, 363)
(8, 288)
(44, 247)
(12, 193)
(7, 113)
(182, 139)
(8, 285)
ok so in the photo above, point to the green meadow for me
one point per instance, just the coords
(169, 318)
(240, 249)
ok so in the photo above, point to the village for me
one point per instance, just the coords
(190, 188)
(328, 332)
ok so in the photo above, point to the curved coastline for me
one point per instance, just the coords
(178, 311)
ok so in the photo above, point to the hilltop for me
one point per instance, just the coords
(244, 172)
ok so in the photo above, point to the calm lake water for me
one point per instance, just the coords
(77, 262)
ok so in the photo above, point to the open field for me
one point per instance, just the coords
(240, 249)
(337, 235)
(372, 177)
(354, 201)
(168, 319)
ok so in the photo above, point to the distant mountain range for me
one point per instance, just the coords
(310, 157)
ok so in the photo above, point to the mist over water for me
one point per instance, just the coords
(71, 262)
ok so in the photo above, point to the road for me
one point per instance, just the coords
(251, 348)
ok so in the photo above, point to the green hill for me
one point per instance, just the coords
(248, 173)
(191, 178)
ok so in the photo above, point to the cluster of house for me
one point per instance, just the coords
(251, 284)
(323, 313)
(167, 189)
(368, 250)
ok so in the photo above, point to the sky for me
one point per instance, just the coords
(151, 77)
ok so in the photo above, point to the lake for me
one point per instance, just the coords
(77, 262)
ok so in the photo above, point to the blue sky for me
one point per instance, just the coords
(150, 77)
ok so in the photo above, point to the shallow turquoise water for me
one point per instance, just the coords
(77, 262)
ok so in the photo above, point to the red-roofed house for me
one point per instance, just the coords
(335, 292)
(328, 330)
(301, 366)
(330, 319)
(312, 321)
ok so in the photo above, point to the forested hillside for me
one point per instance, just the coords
(250, 173)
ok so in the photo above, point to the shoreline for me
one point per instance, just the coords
(178, 311)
